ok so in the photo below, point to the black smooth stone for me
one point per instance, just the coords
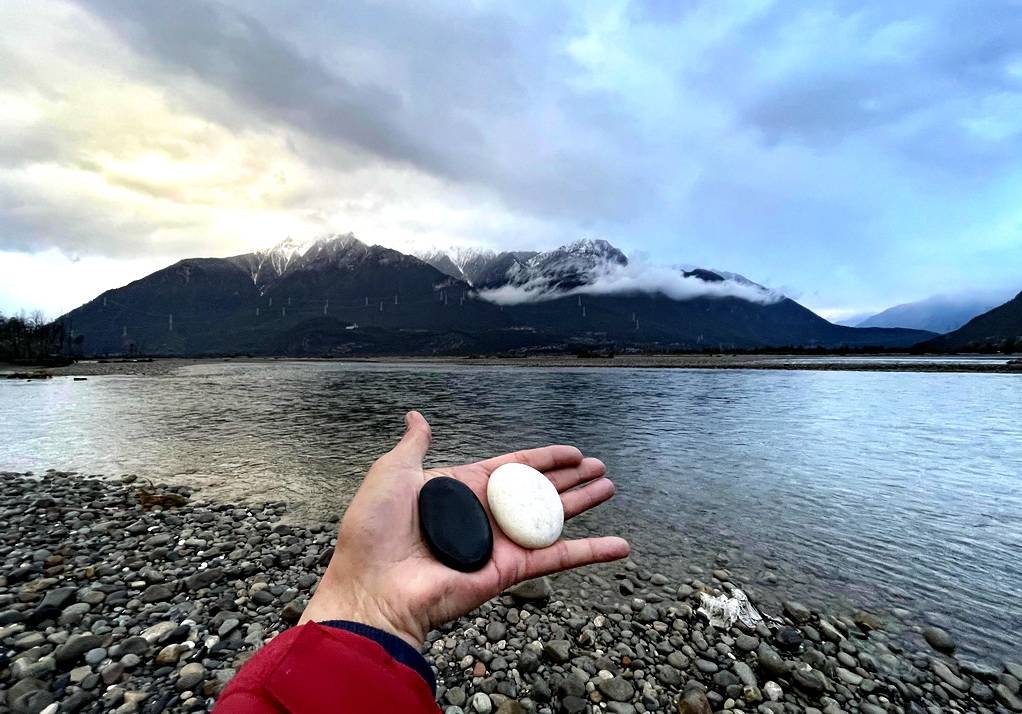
(454, 524)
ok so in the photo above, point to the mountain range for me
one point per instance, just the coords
(998, 330)
(940, 313)
(340, 296)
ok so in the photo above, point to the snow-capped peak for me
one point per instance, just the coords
(569, 266)
(268, 265)
(290, 252)
(334, 247)
(592, 247)
(283, 255)
(463, 256)
(468, 263)
(573, 263)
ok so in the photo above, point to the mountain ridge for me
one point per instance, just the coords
(938, 313)
(997, 330)
(339, 295)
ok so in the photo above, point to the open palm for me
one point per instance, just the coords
(383, 574)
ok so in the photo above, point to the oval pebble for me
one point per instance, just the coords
(525, 505)
(454, 524)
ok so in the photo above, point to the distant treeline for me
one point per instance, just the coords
(989, 346)
(783, 350)
(800, 350)
(992, 346)
(29, 339)
(609, 351)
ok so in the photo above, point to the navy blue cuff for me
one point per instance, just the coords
(395, 646)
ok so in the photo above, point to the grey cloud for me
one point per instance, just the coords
(825, 109)
(28, 224)
(31, 147)
(486, 97)
(244, 59)
(472, 98)
(82, 226)
(953, 54)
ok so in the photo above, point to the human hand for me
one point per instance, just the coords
(382, 572)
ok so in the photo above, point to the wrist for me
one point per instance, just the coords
(347, 599)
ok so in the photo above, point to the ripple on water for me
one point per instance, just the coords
(879, 489)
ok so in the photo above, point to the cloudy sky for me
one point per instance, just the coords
(853, 154)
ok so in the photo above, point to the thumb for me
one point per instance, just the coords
(415, 443)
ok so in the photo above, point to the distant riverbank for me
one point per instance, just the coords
(114, 603)
(857, 363)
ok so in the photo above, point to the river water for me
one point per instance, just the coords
(896, 492)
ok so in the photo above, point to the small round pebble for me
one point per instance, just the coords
(95, 656)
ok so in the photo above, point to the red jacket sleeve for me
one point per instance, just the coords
(314, 668)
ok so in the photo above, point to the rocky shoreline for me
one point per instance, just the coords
(129, 598)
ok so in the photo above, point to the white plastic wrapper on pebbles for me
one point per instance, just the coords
(722, 611)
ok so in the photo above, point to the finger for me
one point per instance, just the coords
(543, 459)
(415, 443)
(589, 496)
(589, 470)
(567, 554)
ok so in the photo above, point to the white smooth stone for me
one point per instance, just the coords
(525, 505)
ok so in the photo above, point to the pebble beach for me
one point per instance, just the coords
(118, 595)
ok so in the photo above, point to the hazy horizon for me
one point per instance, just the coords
(854, 156)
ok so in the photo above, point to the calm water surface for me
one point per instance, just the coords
(900, 492)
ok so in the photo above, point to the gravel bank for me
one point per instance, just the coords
(106, 606)
(874, 363)
(877, 363)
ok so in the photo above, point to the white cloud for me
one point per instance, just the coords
(55, 283)
(637, 276)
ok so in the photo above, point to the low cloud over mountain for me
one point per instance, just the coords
(588, 267)
(940, 313)
(340, 296)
